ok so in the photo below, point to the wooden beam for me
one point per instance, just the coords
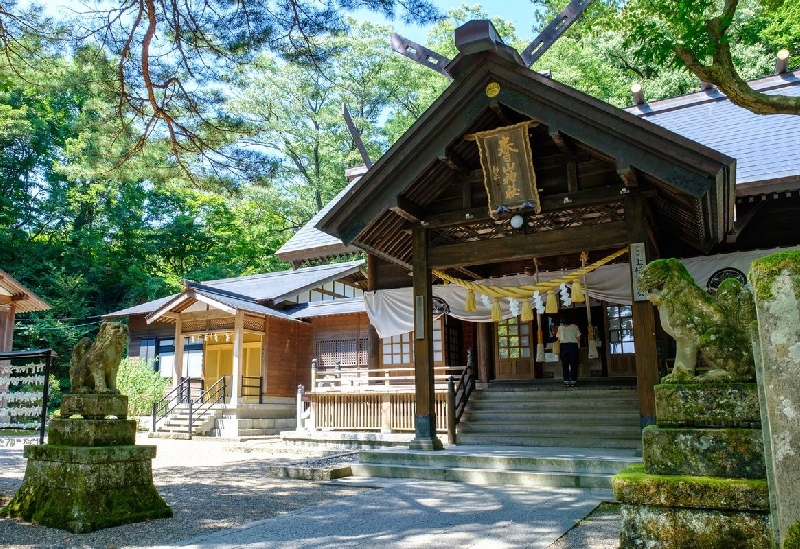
(407, 209)
(199, 315)
(420, 54)
(501, 115)
(627, 174)
(741, 222)
(561, 142)
(572, 178)
(453, 160)
(525, 246)
(554, 202)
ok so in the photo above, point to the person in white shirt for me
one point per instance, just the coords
(569, 335)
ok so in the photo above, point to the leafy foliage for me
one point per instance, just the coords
(142, 384)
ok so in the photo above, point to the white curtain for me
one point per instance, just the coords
(392, 311)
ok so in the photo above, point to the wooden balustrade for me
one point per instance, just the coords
(377, 399)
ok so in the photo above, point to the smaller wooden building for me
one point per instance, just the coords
(259, 331)
(14, 298)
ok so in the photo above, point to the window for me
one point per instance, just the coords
(620, 329)
(147, 350)
(162, 353)
(347, 352)
(399, 349)
(513, 339)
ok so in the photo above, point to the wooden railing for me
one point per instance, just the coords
(377, 399)
(348, 380)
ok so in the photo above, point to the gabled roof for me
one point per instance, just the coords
(13, 291)
(249, 291)
(328, 308)
(226, 301)
(701, 178)
(766, 147)
(311, 243)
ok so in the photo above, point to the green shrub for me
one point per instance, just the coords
(143, 385)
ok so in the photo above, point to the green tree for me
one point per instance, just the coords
(704, 36)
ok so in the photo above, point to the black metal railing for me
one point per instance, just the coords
(178, 395)
(249, 383)
(48, 355)
(200, 407)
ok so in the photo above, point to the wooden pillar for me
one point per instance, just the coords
(7, 315)
(644, 324)
(425, 418)
(177, 369)
(374, 340)
(485, 353)
(238, 358)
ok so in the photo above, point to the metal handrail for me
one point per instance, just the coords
(216, 393)
(48, 355)
(166, 405)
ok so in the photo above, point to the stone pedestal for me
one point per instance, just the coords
(703, 482)
(90, 475)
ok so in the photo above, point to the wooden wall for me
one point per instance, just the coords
(139, 329)
(286, 356)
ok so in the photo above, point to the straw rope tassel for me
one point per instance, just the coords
(470, 306)
(526, 315)
(590, 335)
(497, 312)
(551, 305)
(540, 334)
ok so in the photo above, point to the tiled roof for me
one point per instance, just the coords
(766, 147)
(328, 308)
(282, 284)
(249, 289)
(29, 301)
(311, 243)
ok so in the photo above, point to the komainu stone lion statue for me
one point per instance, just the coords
(93, 366)
(716, 327)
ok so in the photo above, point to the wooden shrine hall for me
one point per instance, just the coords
(508, 165)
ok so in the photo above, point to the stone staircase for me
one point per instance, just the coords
(243, 421)
(274, 415)
(500, 465)
(551, 415)
(521, 434)
(176, 425)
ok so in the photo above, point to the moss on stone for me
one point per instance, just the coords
(634, 486)
(675, 528)
(727, 452)
(792, 540)
(709, 404)
(763, 272)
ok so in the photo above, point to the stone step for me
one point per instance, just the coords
(485, 477)
(575, 461)
(574, 430)
(538, 417)
(483, 439)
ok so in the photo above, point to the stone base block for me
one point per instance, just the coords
(678, 528)
(633, 486)
(92, 432)
(94, 406)
(730, 452)
(708, 405)
(86, 489)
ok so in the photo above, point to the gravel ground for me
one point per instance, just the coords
(213, 485)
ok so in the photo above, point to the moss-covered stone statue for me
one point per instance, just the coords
(716, 327)
(91, 474)
(93, 366)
